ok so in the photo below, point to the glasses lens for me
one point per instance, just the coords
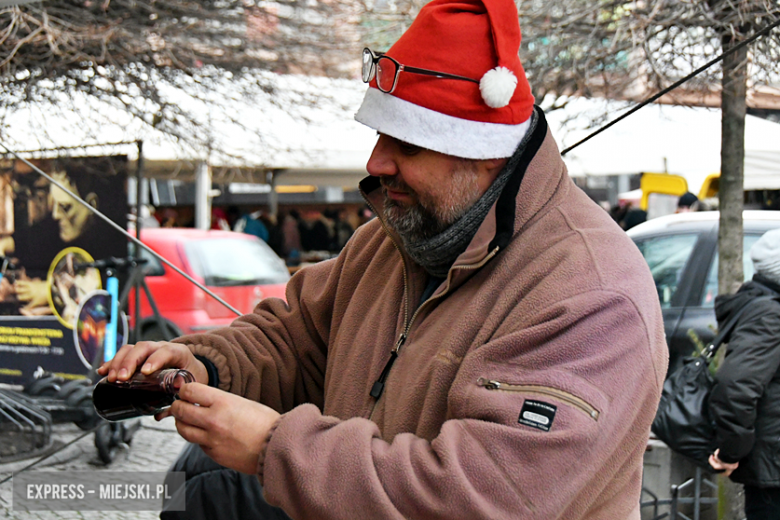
(368, 65)
(386, 70)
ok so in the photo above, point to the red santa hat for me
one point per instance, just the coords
(478, 39)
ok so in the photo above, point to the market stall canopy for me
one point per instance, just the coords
(662, 138)
(764, 168)
(304, 132)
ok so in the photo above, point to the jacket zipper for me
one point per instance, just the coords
(378, 387)
(491, 384)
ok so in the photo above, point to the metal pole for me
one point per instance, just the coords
(273, 197)
(697, 495)
(203, 196)
(675, 496)
(139, 176)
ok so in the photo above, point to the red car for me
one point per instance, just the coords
(241, 269)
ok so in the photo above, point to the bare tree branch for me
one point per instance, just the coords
(140, 54)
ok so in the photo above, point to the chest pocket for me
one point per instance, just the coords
(533, 404)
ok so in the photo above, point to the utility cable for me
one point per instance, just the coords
(676, 84)
(120, 229)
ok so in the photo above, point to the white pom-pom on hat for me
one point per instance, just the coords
(497, 87)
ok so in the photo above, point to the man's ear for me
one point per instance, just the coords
(92, 200)
(488, 171)
(493, 166)
(496, 164)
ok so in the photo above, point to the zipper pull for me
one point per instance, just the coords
(379, 386)
(399, 343)
(488, 383)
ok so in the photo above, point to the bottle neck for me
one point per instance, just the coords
(171, 379)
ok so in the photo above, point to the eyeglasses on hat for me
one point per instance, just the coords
(387, 70)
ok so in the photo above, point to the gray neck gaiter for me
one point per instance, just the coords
(437, 254)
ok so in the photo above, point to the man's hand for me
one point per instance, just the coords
(230, 429)
(152, 356)
(719, 465)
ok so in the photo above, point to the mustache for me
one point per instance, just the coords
(394, 183)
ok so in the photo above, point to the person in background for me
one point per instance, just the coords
(219, 219)
(365, 215)
(232, 215)
(252, 224)
(745, 400)
(275, 237)
(169, 218)
(292, 236)
(618, 212)
(490, 346)
(634, 217)
(687, 202)
(343, 230)
(148, 217)
(314, 231)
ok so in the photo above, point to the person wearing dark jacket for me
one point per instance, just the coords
(745, 401)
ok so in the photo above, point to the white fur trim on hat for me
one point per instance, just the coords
(765, 254)
(497, 87)
(439, 132)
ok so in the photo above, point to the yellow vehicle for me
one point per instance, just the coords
(710, 186)
(660, 192)
(762, 191)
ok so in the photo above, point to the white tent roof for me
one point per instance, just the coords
(662, 138)
(306, 136)
(294, 128)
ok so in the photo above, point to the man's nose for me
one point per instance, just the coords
(382, 161)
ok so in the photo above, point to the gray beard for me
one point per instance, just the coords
(437, 253)
(426, 219)
(414, 224)
(436, 232)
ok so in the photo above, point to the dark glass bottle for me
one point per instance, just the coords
(139, 395)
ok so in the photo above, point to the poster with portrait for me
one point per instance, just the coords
(47, 242)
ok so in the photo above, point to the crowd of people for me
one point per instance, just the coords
(296, 231)
(290, 234)
(628, 215)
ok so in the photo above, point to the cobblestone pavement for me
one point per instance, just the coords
(154, 447)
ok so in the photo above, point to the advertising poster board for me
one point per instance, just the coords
(46, 237)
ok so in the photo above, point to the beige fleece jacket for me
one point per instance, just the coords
(524, 388)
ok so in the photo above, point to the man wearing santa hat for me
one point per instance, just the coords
(490, 347)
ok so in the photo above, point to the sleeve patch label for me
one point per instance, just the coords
(537, 414)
